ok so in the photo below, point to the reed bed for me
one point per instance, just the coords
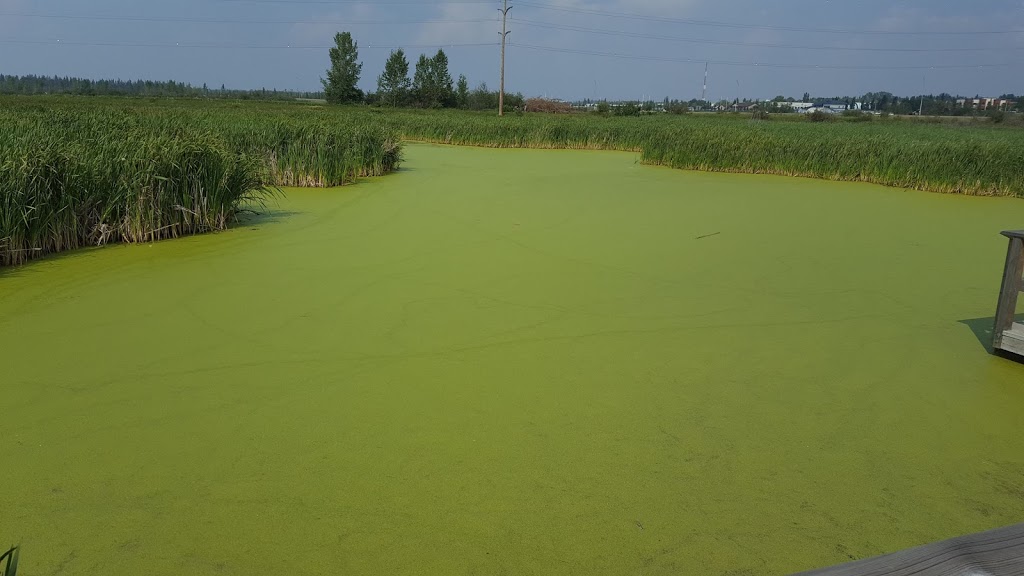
(963, 159)
(77, 173)
(88, 171)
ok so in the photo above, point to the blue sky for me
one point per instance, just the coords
(558, 48)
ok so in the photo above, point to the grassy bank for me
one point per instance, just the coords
(79, 172)
(964, 159)
(86, 171)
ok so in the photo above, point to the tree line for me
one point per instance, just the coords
(31, 84)
(431, 84)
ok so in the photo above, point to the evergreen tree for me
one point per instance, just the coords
(343, 75)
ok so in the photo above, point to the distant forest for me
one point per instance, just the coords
(479, 98)
(406, 93)
(84, 87)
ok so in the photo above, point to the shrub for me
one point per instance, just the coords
(678, 108)
(627, 109)
(819, 116)
(856, 116)
(547, 106)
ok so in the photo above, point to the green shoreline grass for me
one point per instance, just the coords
(78, 171)
(124, 171)
(978, 160)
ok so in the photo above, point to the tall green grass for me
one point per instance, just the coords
(76, 173)
(87, 171)
(964, 159)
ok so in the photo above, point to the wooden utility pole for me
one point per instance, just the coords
(504, 34)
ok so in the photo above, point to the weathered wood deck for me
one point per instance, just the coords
(1013, 339)
(1008, 336)
(995, 553)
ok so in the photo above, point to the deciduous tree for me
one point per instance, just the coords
(340, 86)
(462, 92)
(431, 83)
(442, 79)
(393, 84)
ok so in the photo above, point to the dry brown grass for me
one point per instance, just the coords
(547, 106)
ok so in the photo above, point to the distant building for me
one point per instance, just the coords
(986, 103)
(828, 107)
(835, 106)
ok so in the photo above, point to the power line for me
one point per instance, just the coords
(755, 64)
(59, 42)
(374, 2)
(240, 46)
(750, 44)
(635, 16)
(231, 21)
(532, 23)
(716, 23)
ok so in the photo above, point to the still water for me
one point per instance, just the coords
(517, 362)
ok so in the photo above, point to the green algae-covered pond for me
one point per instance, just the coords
(517, 362)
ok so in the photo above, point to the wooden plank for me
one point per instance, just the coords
(1013, 270)
(1013, 340)
(995, 553)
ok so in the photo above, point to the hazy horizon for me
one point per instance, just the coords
(571, 49)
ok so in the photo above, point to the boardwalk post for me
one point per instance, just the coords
(1008, 335)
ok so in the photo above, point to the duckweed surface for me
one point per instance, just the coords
(517, 362)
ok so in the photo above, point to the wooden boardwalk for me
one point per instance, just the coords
(1012, 340)
(996, 553)
(1008, 335)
